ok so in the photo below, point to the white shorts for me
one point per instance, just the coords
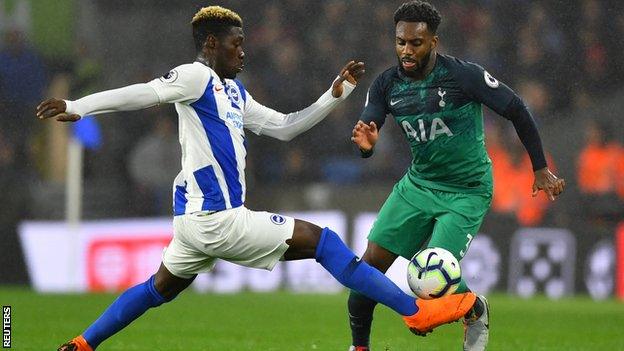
(238, 235)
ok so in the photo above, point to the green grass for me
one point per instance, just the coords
(292, 322)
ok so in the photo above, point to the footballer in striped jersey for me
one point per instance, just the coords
(211, 221)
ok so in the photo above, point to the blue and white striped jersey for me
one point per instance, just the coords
(212, 113)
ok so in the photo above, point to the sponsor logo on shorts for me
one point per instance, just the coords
(277, 219)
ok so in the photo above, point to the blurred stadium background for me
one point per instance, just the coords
(564, 57)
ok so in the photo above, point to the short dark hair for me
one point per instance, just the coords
(418, 11)
(215, 20)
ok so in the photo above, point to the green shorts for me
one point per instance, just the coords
(414, 217)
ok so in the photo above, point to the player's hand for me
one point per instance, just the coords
(351, 72)
(55, 108)
(546, 181)
(365, 135)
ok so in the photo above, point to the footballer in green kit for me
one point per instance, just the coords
(437, 102)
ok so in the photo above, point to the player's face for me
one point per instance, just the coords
(230, 54)
(414, 44)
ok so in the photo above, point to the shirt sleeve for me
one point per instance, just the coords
(482, 87)
(129, 98)
(256, 115)
(185, 83)
(375, 107)
(263, 120)
(527, 131)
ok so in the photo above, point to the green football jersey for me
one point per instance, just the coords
(442, 118)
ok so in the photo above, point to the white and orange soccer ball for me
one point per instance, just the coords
(433, 272)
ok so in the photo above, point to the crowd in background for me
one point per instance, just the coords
(559, 58)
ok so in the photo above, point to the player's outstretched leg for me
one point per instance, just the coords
(328, 249)
(434, 313)
(158, 289)
(310, 241)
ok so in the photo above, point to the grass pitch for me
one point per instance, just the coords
(292, 322)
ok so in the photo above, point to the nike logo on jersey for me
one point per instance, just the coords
(393, 102)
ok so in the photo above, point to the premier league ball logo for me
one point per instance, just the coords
(170, 76)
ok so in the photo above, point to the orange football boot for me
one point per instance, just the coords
(76, 344)
(433, 313)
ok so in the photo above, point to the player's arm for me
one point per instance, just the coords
(180, 84)
(266, 121)
(366, 131)
(484, 88)
(527, 131)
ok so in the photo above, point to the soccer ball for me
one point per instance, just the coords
(433, 273)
